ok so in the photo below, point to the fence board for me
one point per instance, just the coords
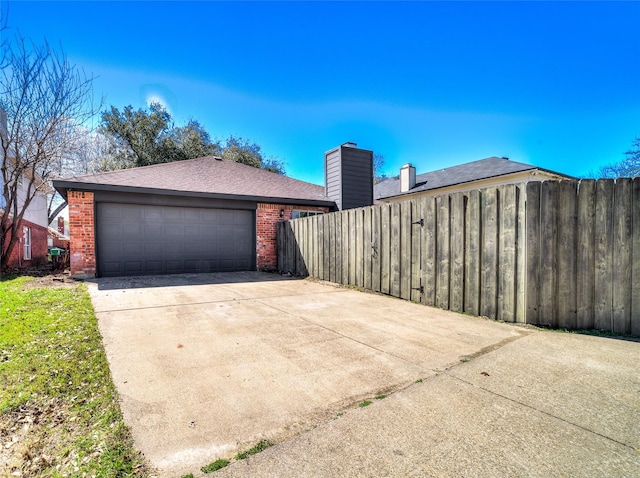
(405, 249)
(352, 246)
(329, 247)
(375, 248)
(385, 249)
(319, 257)
(635, 266)
(602, 318)
(346, 264)
(338, 248)
(548, 253)
(416, 239)
(394, 280)
(533, 252)
(457, 235)
(566, 256)
(316, 227)
(585, 255)
(472, 253)
(358, 246)
(622, 230)
(506, 263)
(443, 252)
(489, 276)
(281, 240)
(429, 252)
(306, 242)
(366, 248)
(521, 254)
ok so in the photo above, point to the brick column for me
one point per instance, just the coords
(267, 216)
(82, 234)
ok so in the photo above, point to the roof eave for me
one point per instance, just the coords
(423, 189)
(63, 186)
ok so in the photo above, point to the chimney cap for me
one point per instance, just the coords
(350, 144)
(407, 165)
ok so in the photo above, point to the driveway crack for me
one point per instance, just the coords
(549, 414)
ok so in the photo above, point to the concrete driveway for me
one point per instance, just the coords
(207, 365)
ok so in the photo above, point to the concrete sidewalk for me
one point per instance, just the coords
(549, 404)
(207, 365)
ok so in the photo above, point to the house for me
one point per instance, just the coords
(484, 173)
(198, 215)
(31, 248)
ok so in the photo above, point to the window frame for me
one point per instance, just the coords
(26, 243)
(300, 213)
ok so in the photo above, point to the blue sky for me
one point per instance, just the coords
(555, 84)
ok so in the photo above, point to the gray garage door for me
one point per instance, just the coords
(135, 239)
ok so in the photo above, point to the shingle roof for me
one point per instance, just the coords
(463, 173)
(209, 176)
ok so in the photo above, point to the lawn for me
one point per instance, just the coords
(59, 412)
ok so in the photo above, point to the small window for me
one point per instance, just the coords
(26, 242)
(298, 213)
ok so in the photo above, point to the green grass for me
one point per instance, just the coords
(380, 397)
(57, 398)
(216, 465)
(257, 448)
(365, 403)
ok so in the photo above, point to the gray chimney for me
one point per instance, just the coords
(348, 174)
(407, 178)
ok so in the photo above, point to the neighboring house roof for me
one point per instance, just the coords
(464, 173)
(209, 176)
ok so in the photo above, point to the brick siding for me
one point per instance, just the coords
(82, 233)
(267, 216)
(39, 247)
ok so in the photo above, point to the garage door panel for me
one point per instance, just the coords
(133, 267)
(146, 239)
(154, 250)
(131, 214)
(153, 267)
(133, 249)
(174, 214)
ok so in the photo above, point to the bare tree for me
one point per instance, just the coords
(629, 167)
(45, 100)
(378, 166)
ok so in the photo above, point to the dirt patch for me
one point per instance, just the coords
(30, 436)
(61, 279)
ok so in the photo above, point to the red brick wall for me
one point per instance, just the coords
(39, 247)
(267, 216)
(82, 233)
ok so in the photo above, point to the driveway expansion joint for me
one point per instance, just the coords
(538, 410)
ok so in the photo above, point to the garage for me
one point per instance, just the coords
(198, 215)
(143, 239)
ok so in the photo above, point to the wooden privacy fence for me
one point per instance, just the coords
(563, 254)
